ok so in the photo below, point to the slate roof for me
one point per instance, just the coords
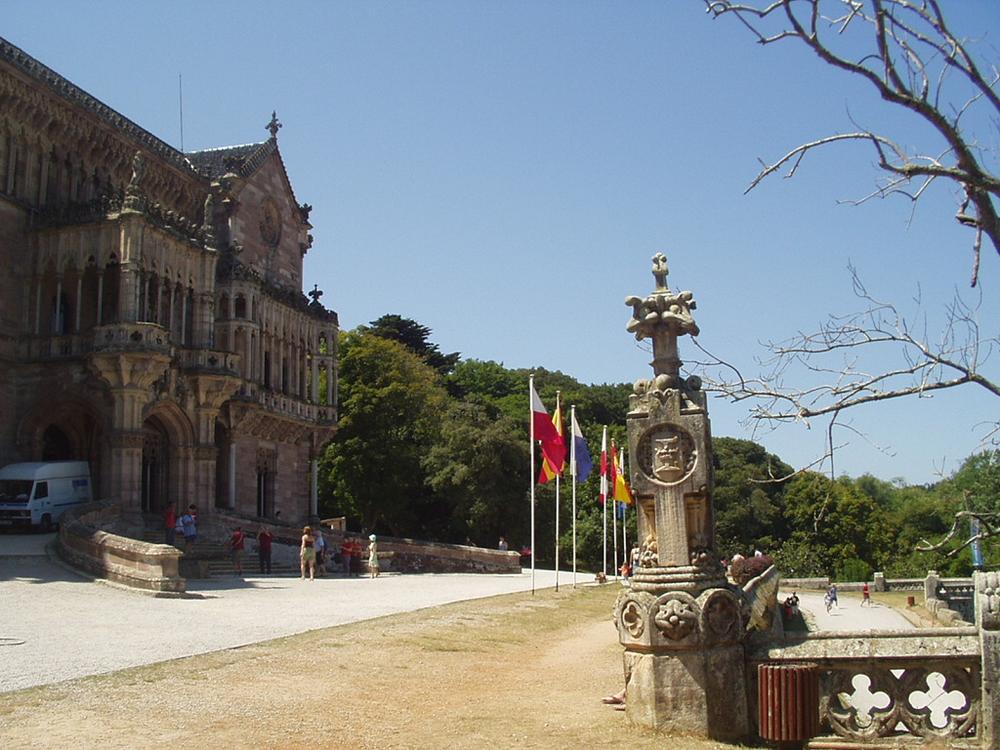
(243, 160)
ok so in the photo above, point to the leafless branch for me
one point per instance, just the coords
(989, 527)
(821, 374)
(910, 55)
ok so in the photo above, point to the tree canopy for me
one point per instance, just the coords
(444, 456)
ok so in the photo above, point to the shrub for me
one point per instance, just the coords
(853, 569)
(745, 570)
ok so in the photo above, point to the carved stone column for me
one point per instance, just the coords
(680, 622)
(988, 622)
(210, 391)
(129, 376)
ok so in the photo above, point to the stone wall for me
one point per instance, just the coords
(85, 542)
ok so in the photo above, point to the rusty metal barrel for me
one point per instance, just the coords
(788, 700)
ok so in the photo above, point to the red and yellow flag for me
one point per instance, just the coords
(554, 453)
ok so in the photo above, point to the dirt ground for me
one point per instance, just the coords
(516, 671)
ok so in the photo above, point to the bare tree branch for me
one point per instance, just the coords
(829, 379)
(989, 527)
(910, 55)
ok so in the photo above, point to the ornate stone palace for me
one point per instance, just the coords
(152, 320)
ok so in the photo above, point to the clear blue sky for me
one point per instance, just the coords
(503, 172)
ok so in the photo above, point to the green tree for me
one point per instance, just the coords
(391, 403)
(415, 337)
(837, 521)
(749, 505)
(479, 467)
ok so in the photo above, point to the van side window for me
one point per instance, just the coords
(41, 490)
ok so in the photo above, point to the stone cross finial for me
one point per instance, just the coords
(660, 271)
(316, 293)
(274, 126)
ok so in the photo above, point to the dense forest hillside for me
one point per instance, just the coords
(436, 447)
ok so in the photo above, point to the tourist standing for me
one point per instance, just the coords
(307, 553)
(831, 597)
(503, 546)
(320, 552)
(346, 551)
(264, 539)
(372, 556)
(866, 595)
(236, 544)
(170, 524)
(189, 527)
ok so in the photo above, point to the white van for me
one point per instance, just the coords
(37, 493)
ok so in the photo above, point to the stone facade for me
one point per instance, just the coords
(152, 319)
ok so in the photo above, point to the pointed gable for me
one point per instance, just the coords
(267, 221)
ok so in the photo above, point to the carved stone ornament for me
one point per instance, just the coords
(721, 616)
(633, 619)
(667, 454)
(270, 222)
(676, 618)
(906, 702)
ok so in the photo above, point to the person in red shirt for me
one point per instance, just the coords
(170, 524)
(264, 539)
(236, 544)
(346, 551)
(866, 595)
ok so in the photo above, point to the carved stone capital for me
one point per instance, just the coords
(988, 600)
(129, 369)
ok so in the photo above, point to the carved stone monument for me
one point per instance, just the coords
(680, 622)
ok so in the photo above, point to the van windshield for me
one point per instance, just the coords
(15, 490)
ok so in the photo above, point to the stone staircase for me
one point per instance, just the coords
(215, 560)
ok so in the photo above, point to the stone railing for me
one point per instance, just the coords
(889, 686)
(414, 556)
(395, 554)
(86, 540)
(141, 336)
(211, 360)
(285, 405)
(878, 687)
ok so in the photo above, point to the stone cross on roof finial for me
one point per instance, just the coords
(274, 126)
(315, 294)
(660, 271)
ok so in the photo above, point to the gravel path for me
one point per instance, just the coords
(850, 615)
(56, 625)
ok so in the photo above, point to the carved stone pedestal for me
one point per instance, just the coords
(684, 662)
(681, 623)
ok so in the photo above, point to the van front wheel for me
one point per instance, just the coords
(46, 524)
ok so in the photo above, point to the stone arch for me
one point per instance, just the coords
(167, 437)
(71, 428)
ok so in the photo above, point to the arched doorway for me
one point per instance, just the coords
(65, 429)
(155, 490)
(222, 464)
(57, 446)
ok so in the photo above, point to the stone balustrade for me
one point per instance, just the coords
(285, 405)
(86, 542)
(131, 336)
(212, 360)
(893, 685)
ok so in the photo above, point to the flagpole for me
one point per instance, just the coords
(614, 509)
(604, 495)
(625, 557)
(572, 469)
(531, 447)
(557, 499)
